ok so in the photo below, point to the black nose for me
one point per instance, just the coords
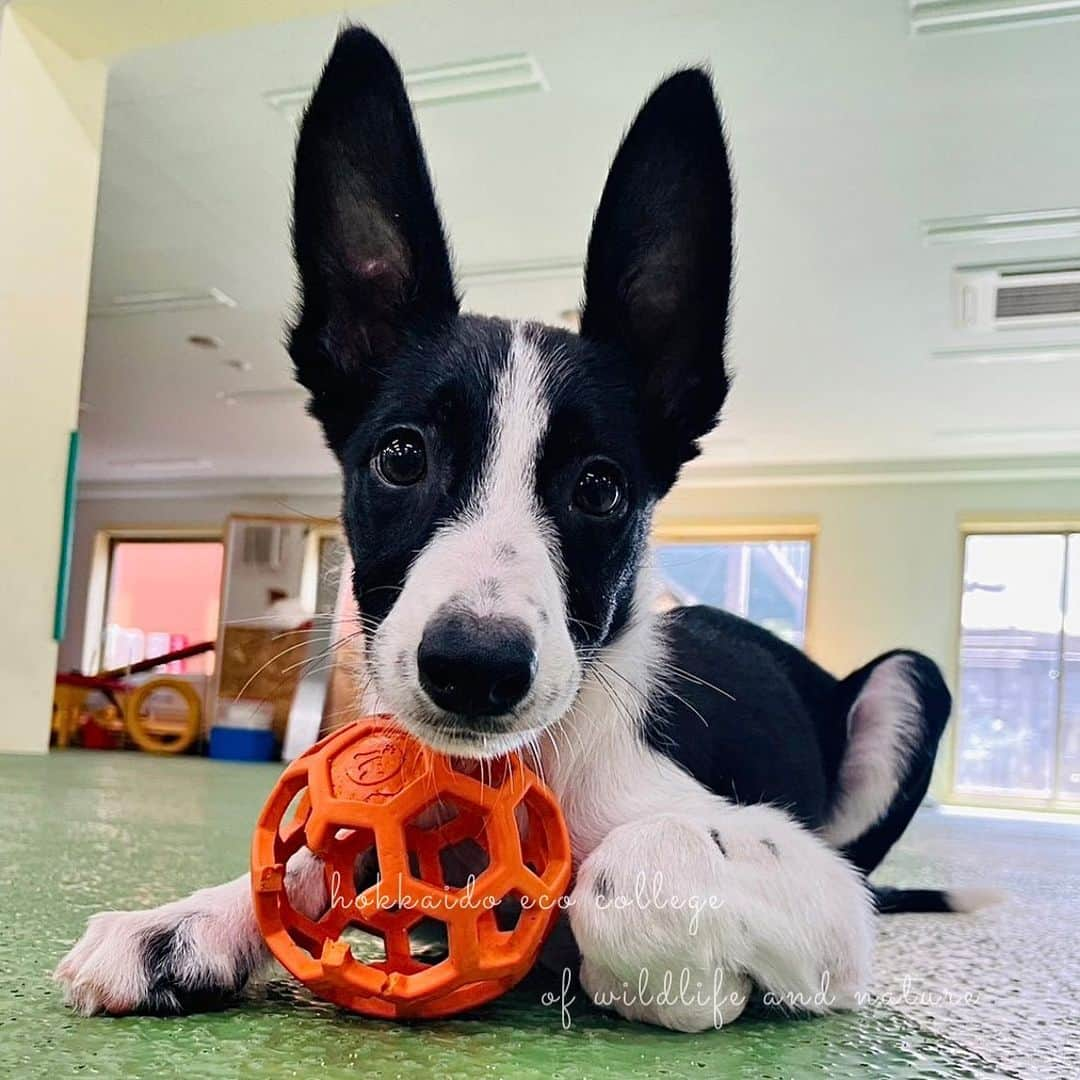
(476, 666)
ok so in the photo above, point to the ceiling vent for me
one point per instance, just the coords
(1013, 227)
(990, 299)
(498, 76)
(151, 303)
(941, 16)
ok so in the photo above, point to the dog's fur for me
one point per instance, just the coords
(694, 748)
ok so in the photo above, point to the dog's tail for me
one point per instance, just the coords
(890, 901)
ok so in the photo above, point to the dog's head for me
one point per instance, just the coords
(500, 478)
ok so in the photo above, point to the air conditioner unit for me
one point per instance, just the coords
(262, 546)
(1004, 298)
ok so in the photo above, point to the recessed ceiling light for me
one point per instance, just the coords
(720, 441)
(204, 341)
(164, 466)
(1012, 227)
(475, 78)
(507, 273)
(937, 16)
(496, 76)
(275, 395)
(1008, 354)
(146, 303)
(238, 365)
(1008, 434)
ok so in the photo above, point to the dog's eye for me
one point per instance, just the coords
(599, 488)
(401, 459)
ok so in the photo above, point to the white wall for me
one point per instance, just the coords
(248, 586)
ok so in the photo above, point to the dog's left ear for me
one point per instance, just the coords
(658, 271)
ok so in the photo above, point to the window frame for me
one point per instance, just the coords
(751, 531)
(321, 530)
(1033, 525)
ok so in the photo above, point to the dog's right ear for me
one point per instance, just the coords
(657, 276)
(369, 244)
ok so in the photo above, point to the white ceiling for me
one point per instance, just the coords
(846, 131)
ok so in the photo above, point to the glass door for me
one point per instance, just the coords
(1068, 780)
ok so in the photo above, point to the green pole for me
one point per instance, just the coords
(67, 540)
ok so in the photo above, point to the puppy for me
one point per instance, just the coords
(499, 485)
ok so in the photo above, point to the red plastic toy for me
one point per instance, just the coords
(480, 848)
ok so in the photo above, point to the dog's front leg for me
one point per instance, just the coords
(181, 957)
(679, 919)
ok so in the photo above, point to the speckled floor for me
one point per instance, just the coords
(991, 995)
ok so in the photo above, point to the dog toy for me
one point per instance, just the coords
(410, 841)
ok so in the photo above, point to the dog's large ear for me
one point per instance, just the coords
(658, 271)
(369, 244)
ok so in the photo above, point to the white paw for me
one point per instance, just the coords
(677, 919)
(176, 958)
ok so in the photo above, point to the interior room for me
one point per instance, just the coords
(896, 467)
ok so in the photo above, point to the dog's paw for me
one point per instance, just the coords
(181, 957)
(677, 920)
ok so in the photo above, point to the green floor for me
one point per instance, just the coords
(85, 831)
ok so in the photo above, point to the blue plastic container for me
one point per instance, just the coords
(241, 744)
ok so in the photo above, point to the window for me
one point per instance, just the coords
(765, 581)
(1018, 734)
(162, 595)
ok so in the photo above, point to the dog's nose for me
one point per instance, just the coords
(476, 666)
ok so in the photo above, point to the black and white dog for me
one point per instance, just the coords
(500, 480)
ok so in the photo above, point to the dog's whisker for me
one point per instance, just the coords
(273, 659)
(322, 632)
(561, 727)
(665, 689)
(697, 680)
(532, 746)
(340, 643)
(616, 701)
(270, 617)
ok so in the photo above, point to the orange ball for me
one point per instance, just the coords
(409, 840)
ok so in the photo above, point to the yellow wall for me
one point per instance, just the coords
(52, 100)
(51, 112)
(110, 27)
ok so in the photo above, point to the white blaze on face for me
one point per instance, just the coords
(498, 559)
